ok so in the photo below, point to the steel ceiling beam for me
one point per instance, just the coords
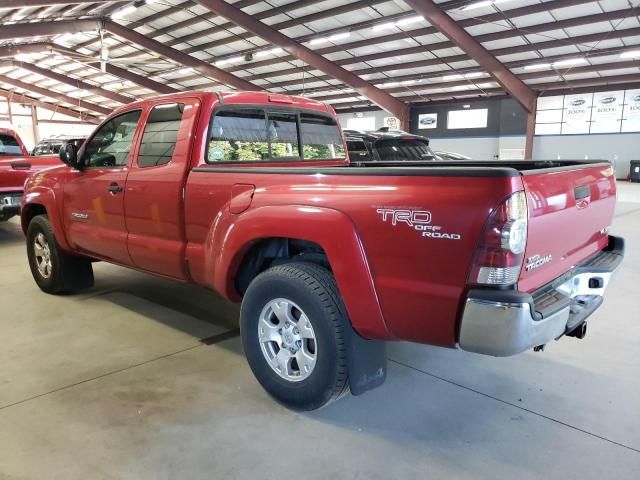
(462, 71)
(398, 35)
(49, 106)
(384, 100)
(601, 83)
(73, 82)
(458, 35)
(135, 78)
(48, 28)
(179, 57)
(48, 3)
(29, 87)
(425, 87)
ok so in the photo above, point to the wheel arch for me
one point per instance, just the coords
(43, 202)
(237, 241)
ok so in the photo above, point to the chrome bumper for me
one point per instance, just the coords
(506, 322)
(9, 205)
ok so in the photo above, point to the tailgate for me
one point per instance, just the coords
(570, 210)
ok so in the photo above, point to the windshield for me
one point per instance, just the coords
(9, 146)
(402, 149)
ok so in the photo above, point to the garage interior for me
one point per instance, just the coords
(141, 377)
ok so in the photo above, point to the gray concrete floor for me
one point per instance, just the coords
(115, 384)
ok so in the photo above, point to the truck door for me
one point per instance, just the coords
(94, 198)
(154, 191)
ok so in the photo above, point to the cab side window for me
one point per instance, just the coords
(111, 144)
(160, 135)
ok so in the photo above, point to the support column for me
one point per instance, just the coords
(34, 124)
(531, 128)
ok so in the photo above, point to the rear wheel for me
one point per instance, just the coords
(293, 327)
(54, 270)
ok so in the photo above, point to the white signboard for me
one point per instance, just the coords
(427, 120)
(475, 118)
(392, 122)
(577, 113)
(631, 118)
(607, 112)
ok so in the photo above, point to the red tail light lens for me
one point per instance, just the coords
(500, 253)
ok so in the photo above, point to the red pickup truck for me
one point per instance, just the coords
(15, 167)
(252, 195)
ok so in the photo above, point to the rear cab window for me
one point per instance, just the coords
(271, 134)
(9, 145)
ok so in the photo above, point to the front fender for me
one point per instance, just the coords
(232, 236)
(43, 196)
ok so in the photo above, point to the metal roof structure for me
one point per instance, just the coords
(91, 56)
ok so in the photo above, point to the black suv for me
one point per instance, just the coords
(386, 145)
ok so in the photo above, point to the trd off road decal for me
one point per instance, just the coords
(419, 220)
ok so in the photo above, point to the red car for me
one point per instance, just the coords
(252, 195)
(15, 167)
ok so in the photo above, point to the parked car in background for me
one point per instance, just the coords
(393, 145)
(52, 145)
(16, 165)
(252, 195)
(387, 145)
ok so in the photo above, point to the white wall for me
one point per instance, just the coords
(619, 148)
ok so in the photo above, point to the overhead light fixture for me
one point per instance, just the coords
(266, 53)
(330, 38)
(184, 71)
(408, 82)
(123, 12)
(383, 26)
(410, 20)
(459, 76)
(399, 23)
(537, 66)
(569, 62)
(630, 54)
(482, 3)
(339, 36)
(224, 61)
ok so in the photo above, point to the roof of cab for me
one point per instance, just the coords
(249, 98)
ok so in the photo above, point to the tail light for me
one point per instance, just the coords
(500, 253)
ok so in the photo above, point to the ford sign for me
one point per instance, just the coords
(607, 100)
(636, 98)
(427, 121)
(577, 102)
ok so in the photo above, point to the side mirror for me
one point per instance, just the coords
(69, 155)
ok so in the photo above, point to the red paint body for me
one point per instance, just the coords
(14, 170)
(196, 226)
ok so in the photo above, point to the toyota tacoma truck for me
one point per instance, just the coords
(252, 195)
(15, 167)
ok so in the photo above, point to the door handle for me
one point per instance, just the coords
(114, 188)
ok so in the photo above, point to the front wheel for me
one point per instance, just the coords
(293, 327)
(54, 270)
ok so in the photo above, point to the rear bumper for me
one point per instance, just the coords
(506, 322)
(9, 205)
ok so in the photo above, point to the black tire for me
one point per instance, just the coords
(68, 273)
(314, 289)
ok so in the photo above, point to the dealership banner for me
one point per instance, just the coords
(576, 116)
(607, 112)
(631, 118)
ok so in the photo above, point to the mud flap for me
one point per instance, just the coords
(367, 361)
